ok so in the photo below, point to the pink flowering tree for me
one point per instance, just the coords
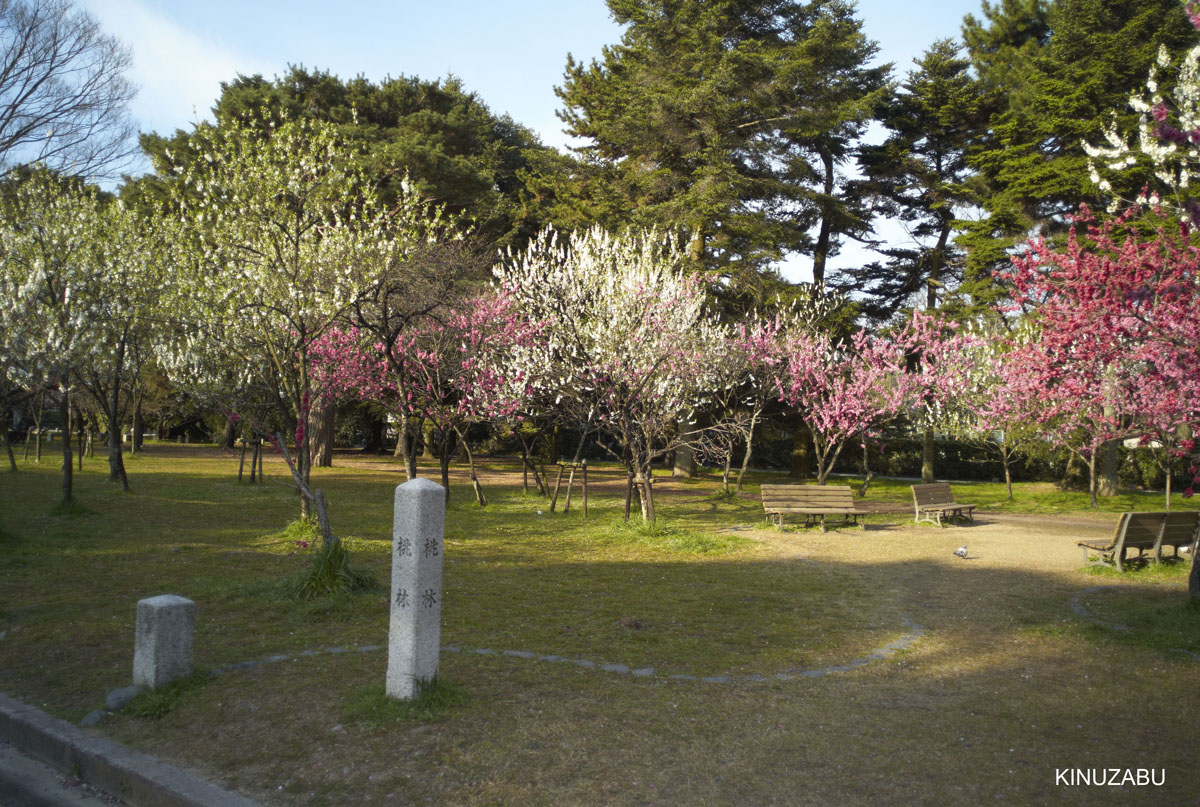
(1117, 315)
(744, 369)
(449, 369)
(967, 387)
(460, 374)
(842, 388)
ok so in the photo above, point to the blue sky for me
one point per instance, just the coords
(511, 53)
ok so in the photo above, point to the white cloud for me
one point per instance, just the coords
(178, 72)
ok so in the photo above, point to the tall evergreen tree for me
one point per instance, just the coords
(920, 177)
(725, 121)
(443, 138)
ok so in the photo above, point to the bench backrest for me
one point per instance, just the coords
(818, 496)
(1180, 528)
(933, 493)
(1139, 530)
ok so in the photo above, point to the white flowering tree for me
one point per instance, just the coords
(130, 317)
(79, 276)
(624, 339)
(278, 217)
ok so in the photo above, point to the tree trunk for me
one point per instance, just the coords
(801, 455)
(229, 437)
(444, 461)
(647, 493)
(68, 479)
(1006, 460)
(480, 499)
(868, 474)
(685, 456)
(242, 461)
(6, 419)
(1194, 581)
(749, 447)
(116, 463)
(135, 445)
(825, 234)
(80, 441)
(825, 461)
(37, 424)
(1092, 481)
(557, 485)
(405, 445)
(928, 451)
(328, 539)
(322, 424)
(524, 466)
(725, 471)
(1107, 484)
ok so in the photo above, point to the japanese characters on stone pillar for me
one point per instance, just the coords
(162, 650)
(415, 633)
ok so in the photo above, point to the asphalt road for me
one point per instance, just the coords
(26, 782)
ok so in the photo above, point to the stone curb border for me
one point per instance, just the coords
(906, 641)
(118, 698)
(137, 778)
(1081, 610)
(913, 633)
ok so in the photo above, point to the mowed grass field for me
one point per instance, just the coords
(1027, 663)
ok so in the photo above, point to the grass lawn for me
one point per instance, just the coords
(1026, 663)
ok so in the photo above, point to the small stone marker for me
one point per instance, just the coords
(415, 632)
(162, 652)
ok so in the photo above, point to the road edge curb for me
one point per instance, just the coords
(138, 778)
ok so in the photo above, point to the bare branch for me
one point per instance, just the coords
(63, 93)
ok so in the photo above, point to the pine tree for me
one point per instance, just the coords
(919, 176)
(725, 121)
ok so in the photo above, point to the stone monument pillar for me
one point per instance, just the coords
(162, 651)
(415, 632)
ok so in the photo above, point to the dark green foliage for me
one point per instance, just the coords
(724, 122)
(442, 137)
(919, 175)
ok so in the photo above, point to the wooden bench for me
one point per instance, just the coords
(814, 502)
(935, 500)
(1145, 532)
